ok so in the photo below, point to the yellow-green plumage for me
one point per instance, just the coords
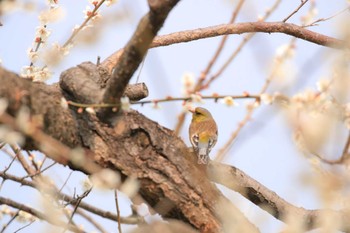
(203, 133)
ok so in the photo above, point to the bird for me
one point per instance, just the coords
(203, 133)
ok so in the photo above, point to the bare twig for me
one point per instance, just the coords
(250, 110)
(77, 203)
(343, 158)
(328, 18)
(91, 220)
(70, 200)
(167, 99)
(25, 226)
(10, 164)
(245, 40)
(303, 2)
(65, 182)
(6, 169)
(22, 160)
(186, 99)
(118, 210)
(347, 146)
(219, 49)
(6, 225)
(36, 213)
(41, 171)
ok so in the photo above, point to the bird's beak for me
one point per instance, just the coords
(192, 109)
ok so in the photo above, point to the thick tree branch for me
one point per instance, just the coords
(134, 52)
(240, 28)
(236, 28)
(269, 201)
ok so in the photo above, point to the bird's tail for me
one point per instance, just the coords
(203, 157)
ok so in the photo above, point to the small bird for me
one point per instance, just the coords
(203, 133)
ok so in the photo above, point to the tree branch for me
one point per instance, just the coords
(73, 201)
(134, 52)
(269, 201)
(232, 29)
(240, 28)
(38, 214)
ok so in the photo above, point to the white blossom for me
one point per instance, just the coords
(43, 33)
(90, 110)
(266, 98)
(229, 101)
(187, 106)
(110, 2)
(42, 75)
(130, 187)
(3, 105)
(285, 51)
(196, 98)
(33, 56)
(105, 179)
(125, 102)
(51, 15)
(156, 105)
(323, 85)
(187, 81)
(64, 103)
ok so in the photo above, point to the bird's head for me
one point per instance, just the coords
(200, 114)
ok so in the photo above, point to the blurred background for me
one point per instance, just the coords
(264, 148)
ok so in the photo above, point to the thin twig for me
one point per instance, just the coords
(90, 16)
(78, 201)
(65, 182)
(328, 18)
(32, 160)
(344, 156)
(72, 201)
(347, 146)
(36, 213)
(245, 40)
(222, 151)
(22, 160)
(167, 99)
(213, 97)
(118, 210)
(303, 2)
(6, 169)
(91, 220)
(6, 225)
(40, 171)
(42, 164)
(218, 51)
(10, 164)
(25, 226)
